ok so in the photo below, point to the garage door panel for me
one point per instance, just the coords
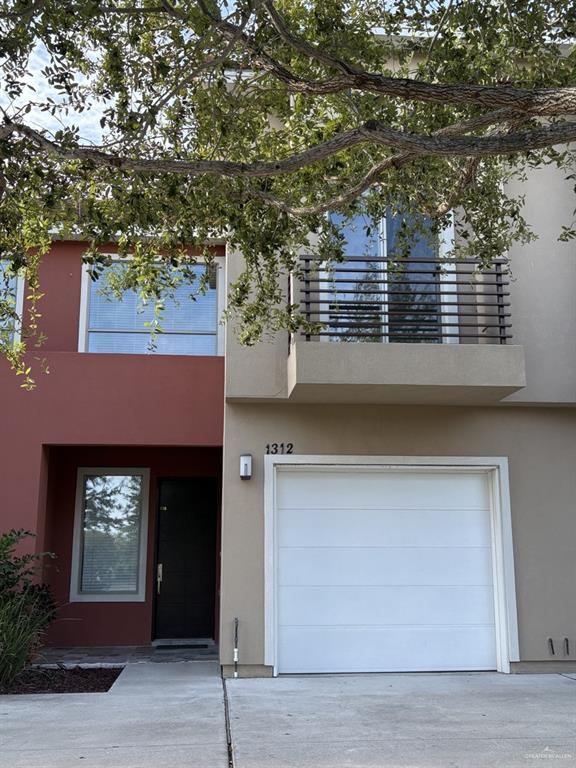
(372, 566)
(330, 488)
(382, 606)
(396, 649)
(384, 570)
(393, 527)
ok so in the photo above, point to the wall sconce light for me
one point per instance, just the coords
(246, 466)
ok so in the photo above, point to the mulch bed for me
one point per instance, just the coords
(75, 680)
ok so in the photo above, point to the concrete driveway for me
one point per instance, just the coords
(480, 720)
(154, 716)
(173, 716)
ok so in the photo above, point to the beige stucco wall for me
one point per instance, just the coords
(540, 444)
(543, 289)
(539, 440)
(542, 299)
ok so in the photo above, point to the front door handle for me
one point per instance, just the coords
(158, 577)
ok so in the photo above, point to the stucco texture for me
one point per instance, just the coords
(540, 444)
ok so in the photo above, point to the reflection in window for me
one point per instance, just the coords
(357, 285)
(189, 323)
(8, 289)
(111, 530)
(379, 293)
(414, 310)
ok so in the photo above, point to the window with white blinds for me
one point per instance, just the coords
(189, 323)
(110, 535)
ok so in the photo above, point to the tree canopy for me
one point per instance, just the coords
(164, 124)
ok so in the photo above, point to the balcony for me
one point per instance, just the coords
(427, 331)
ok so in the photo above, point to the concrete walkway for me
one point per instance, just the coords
(481, 720)
(155, 716)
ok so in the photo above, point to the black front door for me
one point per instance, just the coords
(186, 558)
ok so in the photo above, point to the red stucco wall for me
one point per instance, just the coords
(108, 623)
(60, 281)
(133, 401)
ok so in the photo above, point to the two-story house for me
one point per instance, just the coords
(397, 488)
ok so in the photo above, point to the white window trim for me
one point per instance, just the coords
(76, 596)
(221, 282)
(505, 611)
(384, 283)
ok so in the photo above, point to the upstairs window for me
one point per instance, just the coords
(377, 295)
(189, 321)
(11, 298)
(414, 299)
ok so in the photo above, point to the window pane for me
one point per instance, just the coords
(358, 243)
(356, 301)
(165, 344)
(7, 300)
(414, 313)
(111, 523)
(371, 299)
(357, 285)
(186, 311)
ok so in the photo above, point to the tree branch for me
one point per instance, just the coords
(99, 158)
(465, 179)
(535, 102)
(395, 162)
(473, 146)
(538, 101)
(468, 176)
(35, 7)
(302, 46)
(205, 65)
(372, 131)
(441, 23)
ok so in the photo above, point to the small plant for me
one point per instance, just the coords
(26, 606)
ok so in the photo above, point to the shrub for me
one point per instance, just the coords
(26, 607)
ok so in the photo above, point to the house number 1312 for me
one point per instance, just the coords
(275, 448)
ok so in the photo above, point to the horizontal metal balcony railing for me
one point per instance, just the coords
(415, 301)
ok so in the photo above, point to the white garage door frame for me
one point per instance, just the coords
(506, 621)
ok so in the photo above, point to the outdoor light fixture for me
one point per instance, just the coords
(246, 466)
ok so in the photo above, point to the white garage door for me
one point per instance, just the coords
(384, 570)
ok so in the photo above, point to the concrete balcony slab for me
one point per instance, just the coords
(446, 374)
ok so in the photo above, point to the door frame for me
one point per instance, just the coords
(217, 547)
(496, 468)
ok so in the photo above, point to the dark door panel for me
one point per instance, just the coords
(185, 599)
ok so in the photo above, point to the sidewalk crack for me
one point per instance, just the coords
(227, 723)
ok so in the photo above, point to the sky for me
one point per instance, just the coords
(38, 90)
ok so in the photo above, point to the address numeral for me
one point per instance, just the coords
(276, 449)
